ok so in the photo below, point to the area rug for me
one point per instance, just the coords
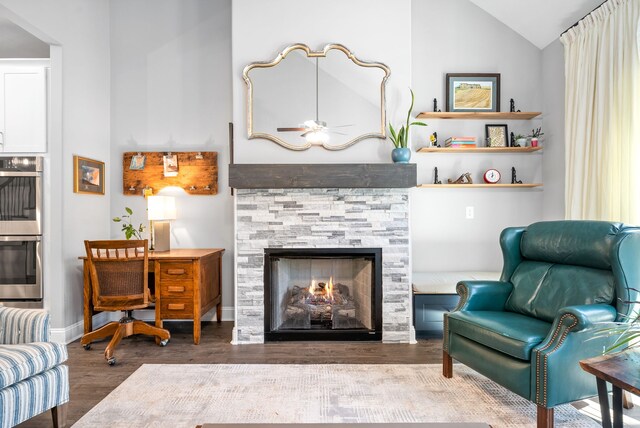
(182, 395)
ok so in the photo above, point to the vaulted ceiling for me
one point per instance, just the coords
(539, 21)
(19, 43)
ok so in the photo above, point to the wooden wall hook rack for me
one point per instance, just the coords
(197, 173)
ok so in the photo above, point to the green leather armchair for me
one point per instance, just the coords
(529, 330)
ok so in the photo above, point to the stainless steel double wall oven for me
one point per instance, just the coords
(21, 231)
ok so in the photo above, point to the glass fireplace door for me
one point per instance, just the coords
(321, 292)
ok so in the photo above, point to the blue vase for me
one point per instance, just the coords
(401, 155)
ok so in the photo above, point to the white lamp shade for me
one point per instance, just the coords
(161, 208)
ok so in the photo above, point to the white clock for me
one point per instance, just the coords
(492, 176)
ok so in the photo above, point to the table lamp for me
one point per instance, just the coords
(161, 210)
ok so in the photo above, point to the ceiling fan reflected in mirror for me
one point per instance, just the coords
(316, 132)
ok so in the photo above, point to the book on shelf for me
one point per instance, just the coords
(460, 140)
(461, 146)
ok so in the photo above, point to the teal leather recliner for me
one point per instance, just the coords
(529, 330)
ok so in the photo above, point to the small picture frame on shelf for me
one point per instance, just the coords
(496, 135)
(88, 176)
(473, 92)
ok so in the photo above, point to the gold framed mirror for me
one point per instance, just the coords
(305, 98)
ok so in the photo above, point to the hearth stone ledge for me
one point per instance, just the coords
(323, 218)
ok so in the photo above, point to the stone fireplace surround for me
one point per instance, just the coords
(323, 218)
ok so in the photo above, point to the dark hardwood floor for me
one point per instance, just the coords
(92, 379)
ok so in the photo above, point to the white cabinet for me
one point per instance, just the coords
(23, 109)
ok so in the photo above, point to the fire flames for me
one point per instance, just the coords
(321, 292)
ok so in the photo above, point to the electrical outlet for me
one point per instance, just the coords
(469, 213)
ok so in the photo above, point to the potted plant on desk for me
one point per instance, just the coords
(130, 231)
(400, 139)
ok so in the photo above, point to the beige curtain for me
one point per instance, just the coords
(602, 114)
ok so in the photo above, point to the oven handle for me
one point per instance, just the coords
(20, 174)
(6, 238)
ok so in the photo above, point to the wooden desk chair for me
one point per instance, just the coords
(119, 280)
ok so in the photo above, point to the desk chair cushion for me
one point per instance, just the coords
(19, 362)
(508, 332)
(541, 289)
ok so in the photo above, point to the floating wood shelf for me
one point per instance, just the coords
(523, 115)
(480, 185)
(479, 150)
(197, 173)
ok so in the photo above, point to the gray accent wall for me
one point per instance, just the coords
(456, 36)
(171, 91)
(374, 30)
(554, 153)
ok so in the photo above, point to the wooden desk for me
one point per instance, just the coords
(621, 370)
(187, 285)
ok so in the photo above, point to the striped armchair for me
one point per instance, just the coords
(32, 376)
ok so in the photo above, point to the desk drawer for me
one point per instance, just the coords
(176, 288)
(176, 270)
(176, 308)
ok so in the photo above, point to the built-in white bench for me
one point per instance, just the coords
(434, 293)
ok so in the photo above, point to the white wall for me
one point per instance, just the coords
(171, 90)
(81, 29)
(160, 75)
(458, 37)
(442, 238)
(554, 150)
(369, 28)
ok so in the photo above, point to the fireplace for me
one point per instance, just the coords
(323, 294)
(350, 219)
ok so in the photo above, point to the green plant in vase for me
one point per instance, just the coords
(130, 231)
(520, 140)
(400, 138)
(625, 332)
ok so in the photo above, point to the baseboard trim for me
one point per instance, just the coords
(412, 336)
(75, 331)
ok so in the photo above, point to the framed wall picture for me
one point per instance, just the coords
(496, 135)
(473, 92)
(88, 176)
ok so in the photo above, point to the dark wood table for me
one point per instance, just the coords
(622, 370)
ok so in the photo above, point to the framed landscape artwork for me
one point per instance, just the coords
(496, 135)
(88, 176)
(469, 92)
